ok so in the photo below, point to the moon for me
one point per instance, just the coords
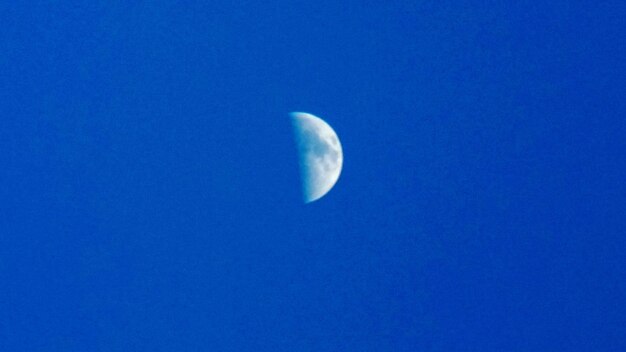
(320, 155)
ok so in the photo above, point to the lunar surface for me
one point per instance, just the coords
(320, 155)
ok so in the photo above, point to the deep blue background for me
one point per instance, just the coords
(149, 192)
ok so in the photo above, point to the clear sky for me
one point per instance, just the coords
(149, 190)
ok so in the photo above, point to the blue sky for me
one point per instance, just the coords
(149, 194)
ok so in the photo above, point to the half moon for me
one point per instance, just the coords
(320, 155)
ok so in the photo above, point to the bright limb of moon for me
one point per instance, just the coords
(320, 155)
